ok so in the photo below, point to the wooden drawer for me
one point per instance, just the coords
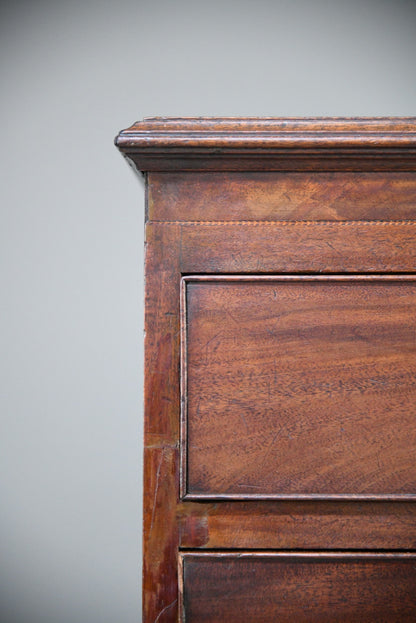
(286, 587)
(299, 387)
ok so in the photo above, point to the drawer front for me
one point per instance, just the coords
(299, 387)
(329, 588)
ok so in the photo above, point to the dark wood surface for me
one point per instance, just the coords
(281, 196)
(335, 588)
(309, 393)
(317, 524)
(271, 144)
(300, 386)
(292, 247)
(161, 429)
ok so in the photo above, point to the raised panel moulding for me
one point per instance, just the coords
(298, 387)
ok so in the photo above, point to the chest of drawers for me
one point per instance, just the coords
(280, 369)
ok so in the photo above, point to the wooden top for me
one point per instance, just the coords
(270, 144)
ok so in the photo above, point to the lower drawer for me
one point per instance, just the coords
(298, 587)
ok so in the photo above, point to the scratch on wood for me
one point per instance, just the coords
(159, 467)
(208, 343)
(231, 316)
(271, 444)
(244, 421)
(164, 610)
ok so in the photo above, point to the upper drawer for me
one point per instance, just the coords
(294, 247)
(299, 387)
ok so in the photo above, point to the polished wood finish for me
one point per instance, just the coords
(300, 387)
(270, 587)
(271, 144)
(161, 429)
(254, 247)
(309, 394)
(281, 525)
(282, 196)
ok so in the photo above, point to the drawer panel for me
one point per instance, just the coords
(299, 387)
(284, 587)
(297, 247)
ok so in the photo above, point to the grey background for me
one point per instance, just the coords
(72, 74)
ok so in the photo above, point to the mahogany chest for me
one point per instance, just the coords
(280, 369)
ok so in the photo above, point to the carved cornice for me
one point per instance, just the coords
(271, 144)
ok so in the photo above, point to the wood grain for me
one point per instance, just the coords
(308, 394)
(327, 587)
(271, 144)
(298, 525)
(281, 196)
(161, 428)
(300, 386)
(298, 247)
